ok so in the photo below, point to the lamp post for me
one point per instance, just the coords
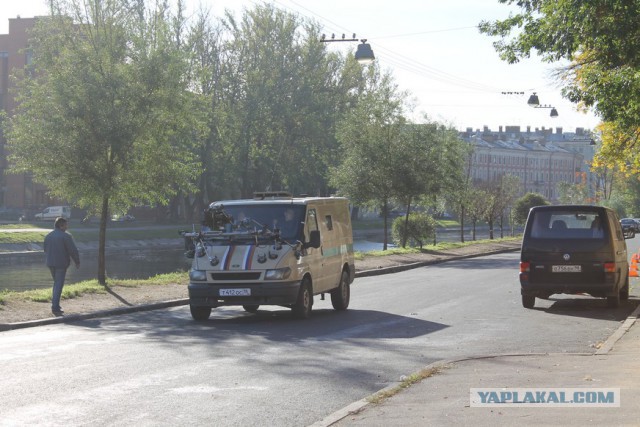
(364, 54)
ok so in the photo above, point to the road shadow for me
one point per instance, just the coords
(586, 306)
(273, 324)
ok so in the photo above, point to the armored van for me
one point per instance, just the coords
(573, 249)
(272, 250)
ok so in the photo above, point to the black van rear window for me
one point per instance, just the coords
(567, 225)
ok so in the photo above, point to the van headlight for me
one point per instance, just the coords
(198, 275)
(278, 274)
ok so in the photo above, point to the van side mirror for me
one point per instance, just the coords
(314, 239)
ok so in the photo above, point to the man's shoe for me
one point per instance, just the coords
(57, 312)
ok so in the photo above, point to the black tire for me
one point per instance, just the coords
(200, 313)
(528, 301)
(613, 301)
(302, 307)
(251, 308)
(624, 291)
(341, 295)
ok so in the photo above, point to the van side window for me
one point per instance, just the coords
(329, 222)
(312, 221)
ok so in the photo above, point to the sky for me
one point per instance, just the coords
(432, 48)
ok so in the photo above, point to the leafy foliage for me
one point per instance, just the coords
(102, 113)
(600, 39)
(416, 230)
(522, 206)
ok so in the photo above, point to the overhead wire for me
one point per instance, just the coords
(405, 63)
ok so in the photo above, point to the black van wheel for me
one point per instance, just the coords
(528, 301)
(613, 301)
(200, 313)
(302, 307)
(624, 291)
(341, 295)
(251, 308)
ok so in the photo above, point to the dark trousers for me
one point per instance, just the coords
(58, 274)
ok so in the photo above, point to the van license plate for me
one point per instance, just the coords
(566, 268)
(235, 292)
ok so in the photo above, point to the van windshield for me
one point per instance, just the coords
(567, 225)
(287, 218)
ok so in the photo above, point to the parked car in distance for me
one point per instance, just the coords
(629, 226)
(570, 249)
(53, 212)
(122, 217)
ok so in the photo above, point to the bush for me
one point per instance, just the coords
(419, 231)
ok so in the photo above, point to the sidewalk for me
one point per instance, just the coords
(444, 398)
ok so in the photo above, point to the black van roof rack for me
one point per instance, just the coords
(261, 195)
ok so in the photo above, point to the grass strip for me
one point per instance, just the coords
(76, 290)
(407, 382)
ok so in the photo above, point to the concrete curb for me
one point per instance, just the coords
(404, 267)
(103, 313)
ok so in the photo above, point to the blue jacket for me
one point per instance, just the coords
(60, 248)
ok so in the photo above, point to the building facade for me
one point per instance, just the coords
(541, 159)
(16, 190)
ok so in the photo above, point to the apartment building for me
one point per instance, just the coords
(541, 158)
(16, 190)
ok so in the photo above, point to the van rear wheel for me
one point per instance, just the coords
(528, 301)
(624, 292)
(302, 307)
(200, 313)
(341, 295)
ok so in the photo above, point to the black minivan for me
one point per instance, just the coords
(570, 249)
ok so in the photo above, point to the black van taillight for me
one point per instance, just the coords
(609, 267)
(525, 266)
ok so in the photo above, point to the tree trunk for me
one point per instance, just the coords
(405, 234)
(104, 217)
(462, 223)
(385, 206)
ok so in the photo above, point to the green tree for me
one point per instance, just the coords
(523, 205)
(102, 113)
(416, 231)
(600, 39)
(430, 164)
(477, 206)
(370, 135)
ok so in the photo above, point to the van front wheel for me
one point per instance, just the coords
(302, 307)
(200, 313)
(341, 295)
(528, 301)
(251, 308)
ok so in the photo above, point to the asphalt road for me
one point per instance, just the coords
(161, 368)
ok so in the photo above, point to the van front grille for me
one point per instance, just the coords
(240, 275)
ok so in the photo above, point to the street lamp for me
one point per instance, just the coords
(534, 102)
(554, 112)
(364, 54)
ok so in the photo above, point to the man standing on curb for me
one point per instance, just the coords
(59, 248)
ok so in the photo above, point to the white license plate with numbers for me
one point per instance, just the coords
(566, 268)
(243, 292)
